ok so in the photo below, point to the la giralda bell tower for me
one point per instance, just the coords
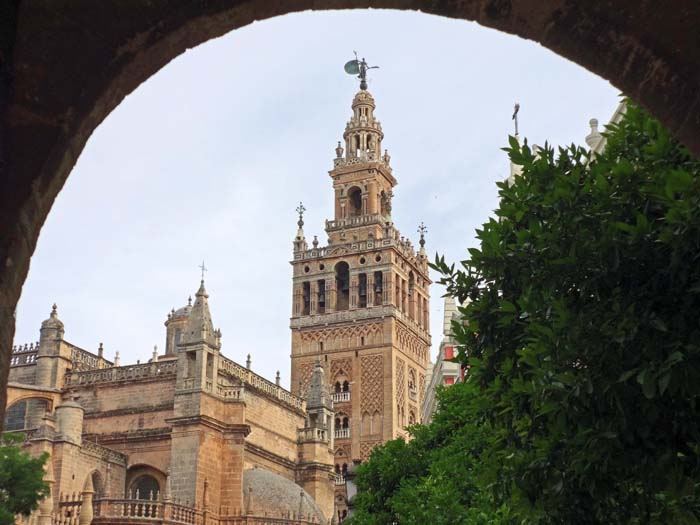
(361, 303)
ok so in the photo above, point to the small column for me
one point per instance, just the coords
(297, 301)
(313, 291)
(426, 320)
(353, 292)
(330, 295)
(373, 195)
(370, 289)
(388, 284)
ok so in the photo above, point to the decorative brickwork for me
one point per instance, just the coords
(306, 372)
(344, 365)
(410, 344)
(366, 448)
(400, 382)
(372, 383)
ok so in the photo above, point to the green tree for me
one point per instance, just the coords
(437, 477)
(21, 479)
(583, 330)
(581, 336)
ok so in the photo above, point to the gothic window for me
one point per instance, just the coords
(306, 296)
(338, 388)
(15, 415)
(344, 469)
(25, 414)
(346, 386)
(411, 380)
(362, 290)
(321, 285)
(411, 418)
(355, 198)
(342, 281)
(378, 288)
(178, 336)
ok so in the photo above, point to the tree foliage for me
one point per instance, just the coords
(582, 340)
(22, 483)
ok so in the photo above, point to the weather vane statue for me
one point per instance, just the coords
(359, 67)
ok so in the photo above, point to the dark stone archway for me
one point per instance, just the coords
(64, 66)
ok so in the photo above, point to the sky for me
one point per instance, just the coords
(208, 159)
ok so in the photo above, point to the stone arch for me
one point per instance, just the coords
(98, 483)
(143, 477)
(650, 54)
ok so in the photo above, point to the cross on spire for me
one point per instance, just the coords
(203, 268)
(300, 210)
(516, 108)
(422, 229)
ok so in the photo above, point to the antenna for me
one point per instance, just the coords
(359, 67)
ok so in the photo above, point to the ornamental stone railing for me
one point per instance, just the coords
(360, 220)
(341, 433)
(312, 434)
(162, 511)
(122, 373)
(341, 397)
(94, 449)
(24, 354)
(259, 383)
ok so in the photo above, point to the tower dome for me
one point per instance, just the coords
(52, 328)
(264, 490)
(53, 321)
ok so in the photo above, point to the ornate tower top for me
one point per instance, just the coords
(359, 67)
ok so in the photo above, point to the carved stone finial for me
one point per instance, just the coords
(315, 241)
(189, 301)
(248, 362)
(339, 151)
(277, 378)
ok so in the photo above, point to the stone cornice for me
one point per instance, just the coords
(128, 411)
(203, 420)
(270, 456)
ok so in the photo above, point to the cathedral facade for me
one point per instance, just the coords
(192, 437)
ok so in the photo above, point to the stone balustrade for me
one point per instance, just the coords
(259, 383)
(160, 511)
(312, 434)
(341, 397)
(341, 433)
(122, 373)
(24, 355)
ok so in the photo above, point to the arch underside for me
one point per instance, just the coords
(64, 68)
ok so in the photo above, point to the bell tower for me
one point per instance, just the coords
(361, 302)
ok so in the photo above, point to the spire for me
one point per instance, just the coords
(317, 395)
(199, 328)
(300, 244)
(422, 230)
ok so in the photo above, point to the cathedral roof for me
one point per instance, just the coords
(264, 490)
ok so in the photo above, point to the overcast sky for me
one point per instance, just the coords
(208, 159)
